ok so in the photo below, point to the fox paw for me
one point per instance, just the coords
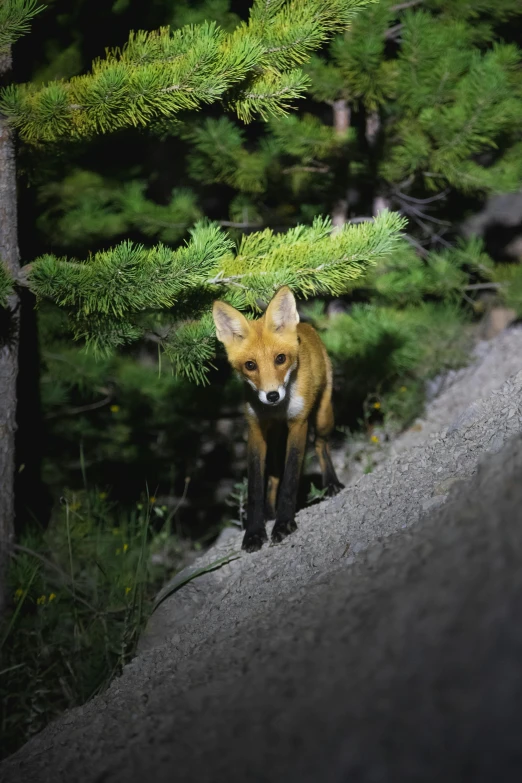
(334, 488)
(282, 530)
(254, 540)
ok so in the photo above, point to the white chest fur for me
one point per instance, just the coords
(295, 403)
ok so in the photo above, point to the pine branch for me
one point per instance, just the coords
(112, 297)
(158, 74)
(130, 278)
(190, 348)
(15, 18)
(403, 277)
(455, 103)
(310, 259)
(85, 206)
(219, 154)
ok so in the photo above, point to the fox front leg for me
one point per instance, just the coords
(295, 450)
(255, 532)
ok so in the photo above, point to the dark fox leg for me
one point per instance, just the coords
(255, 533)
(324, 425)
(295, 450)
(330, 481)
(275, 466)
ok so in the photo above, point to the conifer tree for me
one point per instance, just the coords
(414, 99)
(128, 291)
(417, 107)
(15, 16)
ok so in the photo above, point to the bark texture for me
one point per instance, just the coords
(9, 336)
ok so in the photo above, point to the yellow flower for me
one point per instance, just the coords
(403, 389)
(52, 597)
(127, 590)
(118, 551)
(102, 495)
(152, 499)
(374, 439)
(40, 600)
(18, 594)
(114, 408)
(125, 547)
(376, 405)
(115, 531)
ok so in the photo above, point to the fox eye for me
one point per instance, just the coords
(280, 358)
(250, 366)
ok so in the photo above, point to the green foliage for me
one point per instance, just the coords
(508, 277)
(127, 292)
(6, 284)
(237, 499)
(442, 104)
(305, 138)
(86, 207)
(387, 354)
(190, 348)
(316, 494)
(404, 277)
(414, 324)
(218, 155)
(15, 18)
(187, 12)
(310, 259)
(81, 592)
(359, 60)
(456, 106)
(109, 296)
(158, 74)
(129, 420)
(131, 278)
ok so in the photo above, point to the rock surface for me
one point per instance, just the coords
(380, 642)
(492, 363)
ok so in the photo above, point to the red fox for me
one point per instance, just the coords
(288, 384)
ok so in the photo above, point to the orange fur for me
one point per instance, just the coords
(288, 380)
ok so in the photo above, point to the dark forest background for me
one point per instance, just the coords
(136, 467)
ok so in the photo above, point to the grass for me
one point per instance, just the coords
(81, 592)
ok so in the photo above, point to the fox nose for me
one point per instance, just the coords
(272, 396)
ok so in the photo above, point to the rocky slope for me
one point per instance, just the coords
(380, 642)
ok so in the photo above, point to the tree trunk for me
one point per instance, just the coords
(341, 123)
(372, 131)
(9, 337)
(372, 127)
(341, 116)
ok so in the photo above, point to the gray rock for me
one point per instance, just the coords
(380, 642)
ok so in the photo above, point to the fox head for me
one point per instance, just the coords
(263, 352)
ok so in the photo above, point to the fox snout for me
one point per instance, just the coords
(272, 397)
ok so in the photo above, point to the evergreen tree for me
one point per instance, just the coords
(129, 291)
(15, 16)
(414, 99)
(416, 107)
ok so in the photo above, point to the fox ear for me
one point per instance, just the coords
(282, 313)
(230, 323)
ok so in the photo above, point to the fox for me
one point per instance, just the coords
(288, 382)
